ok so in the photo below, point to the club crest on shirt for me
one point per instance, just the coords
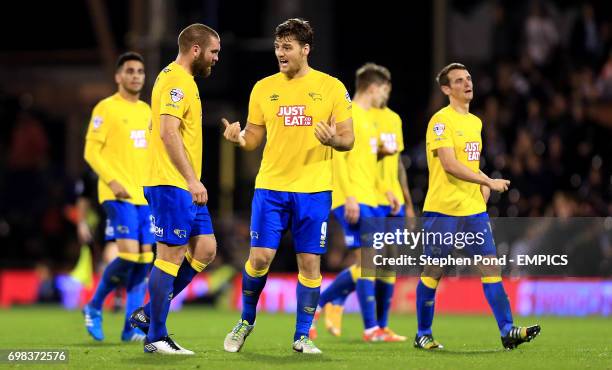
(176, 95)
(315, 96)
(438, 128)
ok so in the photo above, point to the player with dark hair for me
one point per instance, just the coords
(304, 114)
(455, 202)
(116, 149)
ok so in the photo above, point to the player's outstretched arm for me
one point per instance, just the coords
(453, 167)
(173, 142)
(248, 139)
(339, 135)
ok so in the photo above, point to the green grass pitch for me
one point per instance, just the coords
(472, 342)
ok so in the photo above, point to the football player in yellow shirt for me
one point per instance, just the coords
(355, 195)
(455, 203)
(304, 115)
(392, 173)
(116, 149)
(183, 228)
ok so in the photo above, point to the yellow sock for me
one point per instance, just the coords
(167, 267)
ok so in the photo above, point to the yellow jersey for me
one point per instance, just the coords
(390, 136)
(175, 93)
(355, 171)
(121, 127)
(293, 159)
(447, 194)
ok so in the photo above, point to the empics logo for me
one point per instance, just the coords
(472, 148)
(294, 115)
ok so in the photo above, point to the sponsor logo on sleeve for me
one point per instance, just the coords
(438, 128)
(176, 95)
(97, 122)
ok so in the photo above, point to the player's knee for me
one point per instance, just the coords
(260, 261)
(208, 256)
(433, 272)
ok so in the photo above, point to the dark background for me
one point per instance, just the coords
(546, 118)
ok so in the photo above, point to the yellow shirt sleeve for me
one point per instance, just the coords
(172, 99)
(256, 115)
(400, 135)
(342, 108)
(440, 132)
(97, 133)
(99, 125)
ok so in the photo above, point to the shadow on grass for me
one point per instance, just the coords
(157, 360)
(448, 352)
(272, 359)
(92, 345)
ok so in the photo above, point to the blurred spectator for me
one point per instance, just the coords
(541, 34)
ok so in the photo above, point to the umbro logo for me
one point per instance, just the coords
(150, 347)
(309, 310)
(274, 97)
(315, 96)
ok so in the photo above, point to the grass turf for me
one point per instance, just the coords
(472, 342)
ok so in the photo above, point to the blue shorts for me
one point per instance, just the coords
(471, 234)
(386, 211)
(274, 212)
(352, 232)
(128, 221)
(175, 217)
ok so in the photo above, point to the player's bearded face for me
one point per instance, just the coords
(208, 57)
(200, 66)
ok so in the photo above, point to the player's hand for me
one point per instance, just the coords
(486, 192)
(499, 185)
(233, 132)
(199, 194)
(84, 233)
(325, 132)
(410, 217)
(384, 150)
(393, 202)
(351, 210)
(118, 190)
